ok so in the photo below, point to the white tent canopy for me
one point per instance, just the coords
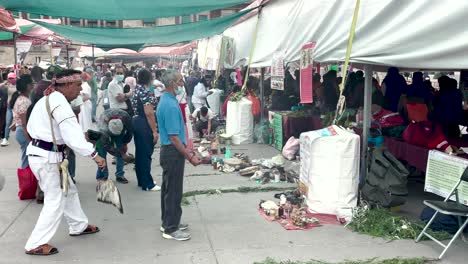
(422, 34)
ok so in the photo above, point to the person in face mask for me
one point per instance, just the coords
(116, 93)
(158, 86)
(11, 84)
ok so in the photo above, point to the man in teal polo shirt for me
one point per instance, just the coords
(172, 158)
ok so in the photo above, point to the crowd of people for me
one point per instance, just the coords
(444, 104)
(148, 106)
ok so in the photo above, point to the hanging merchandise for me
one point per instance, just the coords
(330, 169)
(56, 52)
(227, 53)
(277, 71)
(209, 50)
(22, 49)
(307, 61)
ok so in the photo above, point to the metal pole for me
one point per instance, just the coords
(68, 58)
(262, 93)
(92, 48)
(366, 119)
(52, 62)
(15, 51)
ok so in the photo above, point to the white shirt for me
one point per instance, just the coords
(113, 90)
(199, 94)
(208, 116)
(158, 90)
(66, 128)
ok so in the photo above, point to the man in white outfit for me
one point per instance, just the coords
(44, 162)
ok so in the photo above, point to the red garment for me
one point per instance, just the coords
(224, 109)
(387, 118)
(426, 134)
(182, 109)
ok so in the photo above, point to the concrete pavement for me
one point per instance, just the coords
(225, 228)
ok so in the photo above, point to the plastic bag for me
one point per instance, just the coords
(27, 184)
(262, 133)
(291, 148)
(256, 105)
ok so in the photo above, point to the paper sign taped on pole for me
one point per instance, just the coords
(22, 49)
(307, 65)
(443, 172)
(277, 71)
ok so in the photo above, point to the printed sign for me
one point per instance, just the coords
(307, 61)
(443, 172)
(277, 72)
(22, 49)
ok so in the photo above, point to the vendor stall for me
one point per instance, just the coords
(288, 124)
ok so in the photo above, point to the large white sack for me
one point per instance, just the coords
(214, 101)
(240, 121)
(330, 169)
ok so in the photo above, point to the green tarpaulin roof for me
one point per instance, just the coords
(135, 38)
(9, 36)
(116, 9)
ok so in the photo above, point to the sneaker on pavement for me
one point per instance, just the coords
(182, 227)
(177, 235)
(122, 180)
(4, 142)
(156, 188)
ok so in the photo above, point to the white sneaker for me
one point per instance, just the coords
(156, 188)
(177, 235)
(4, 143)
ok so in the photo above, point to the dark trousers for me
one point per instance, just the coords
(144, 148)
(71, 163)
(172, 163)
(200, 125)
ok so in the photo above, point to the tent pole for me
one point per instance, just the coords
(92, 48)
(52, 62)
(366, 119)
(262, 93)
(15, 53)
(68, 58)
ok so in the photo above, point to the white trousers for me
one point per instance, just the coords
(56, 204)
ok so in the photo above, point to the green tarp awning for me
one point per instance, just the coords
(9, 36)
(117, 10)
(133, 37)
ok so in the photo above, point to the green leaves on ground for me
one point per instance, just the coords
(382, 223)
(371, 261)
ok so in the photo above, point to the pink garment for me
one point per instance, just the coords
(131, 81)
(239, 77)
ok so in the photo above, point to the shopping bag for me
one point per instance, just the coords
(256, 105)
(27, 184)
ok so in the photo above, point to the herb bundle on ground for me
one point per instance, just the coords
(382, 223)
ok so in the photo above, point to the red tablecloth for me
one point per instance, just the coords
(416, 156)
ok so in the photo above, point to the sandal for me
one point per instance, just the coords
(91, 229)
(43, 250)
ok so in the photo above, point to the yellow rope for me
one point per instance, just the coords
(252, 49)
(341, 103)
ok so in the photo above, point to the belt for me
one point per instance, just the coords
(49, 146)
